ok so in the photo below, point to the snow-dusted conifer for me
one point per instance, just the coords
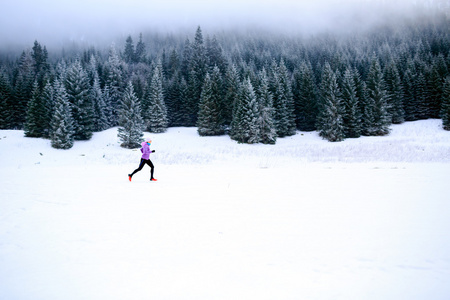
(245, 125)
(114, 80)
(351, 112)
(5, 100)
(283, 100)
(128, 52)
(232, 86)
(394, 94)
(268, 133)
(156, 117)
(130, 120)
(62, 135)
(100, 110)
(376, 89)
(305, 97)
(22, 89)
(78, 90)
(410, 99)
(48, 99)
(140, 50)
(209, 116)
(330, 122)
(445, 110)
(34, 125)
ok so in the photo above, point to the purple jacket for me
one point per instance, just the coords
(145, 150)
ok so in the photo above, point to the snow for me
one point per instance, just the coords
(365, 218)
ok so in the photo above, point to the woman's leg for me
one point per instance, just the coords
(141, 165)
(152, 168)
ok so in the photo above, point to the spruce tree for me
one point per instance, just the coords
(232, 86)
(305, 97)
(394, 94)
(193, 87)
(114, 80)
(422, 108)
(41, 65)
(197, 73)
(101, 121)
(140, 52)
(128, 52)
(268, 133)
(329, 121)
(62, 135)
(410, 102)
(5, 100)
(78, 90)
(445, 110)
(283, 101)
(246, 125)
(22, 90)
(351, 112)
(156, 116)
(48, 99)
(215, 56)
(34, 125)
(210, 121)
(130, 120)
(376, 89)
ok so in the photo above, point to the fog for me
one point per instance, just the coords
(55, 22)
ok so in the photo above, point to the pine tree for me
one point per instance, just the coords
(410, 99)
(197, 73)
(140, 51)
(156, 116)
(193, 86)
(422, 97)
(210, 121)
(62, 136)
(128, 52)
(305, 98)
(100, 110)
(34, 125)
(232, 86)
(283, 101)
(22, 90)
(329, 121)
(5, 100)
(268, 133)
(198, 60)
(351, 113)
(173, 101)
(78, 90)
(114, 81)
(445, 110)
(48, 99)
(377, 94)
(185, 62)
(215, 56)
(245, 125)
(41, 65)
(394, 94)
(130, 120)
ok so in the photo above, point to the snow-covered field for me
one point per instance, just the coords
(366, 218)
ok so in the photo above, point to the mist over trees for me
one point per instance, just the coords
(255, 87)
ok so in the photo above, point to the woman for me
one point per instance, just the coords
(145, 159)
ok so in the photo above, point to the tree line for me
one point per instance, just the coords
(254, 87)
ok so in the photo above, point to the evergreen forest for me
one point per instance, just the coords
(255, 86)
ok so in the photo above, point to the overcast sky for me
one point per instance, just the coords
(23, 21)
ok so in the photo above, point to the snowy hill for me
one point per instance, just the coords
(365, 218)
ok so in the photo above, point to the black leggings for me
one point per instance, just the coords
(141, 165)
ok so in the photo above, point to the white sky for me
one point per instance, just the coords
(57, 20)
